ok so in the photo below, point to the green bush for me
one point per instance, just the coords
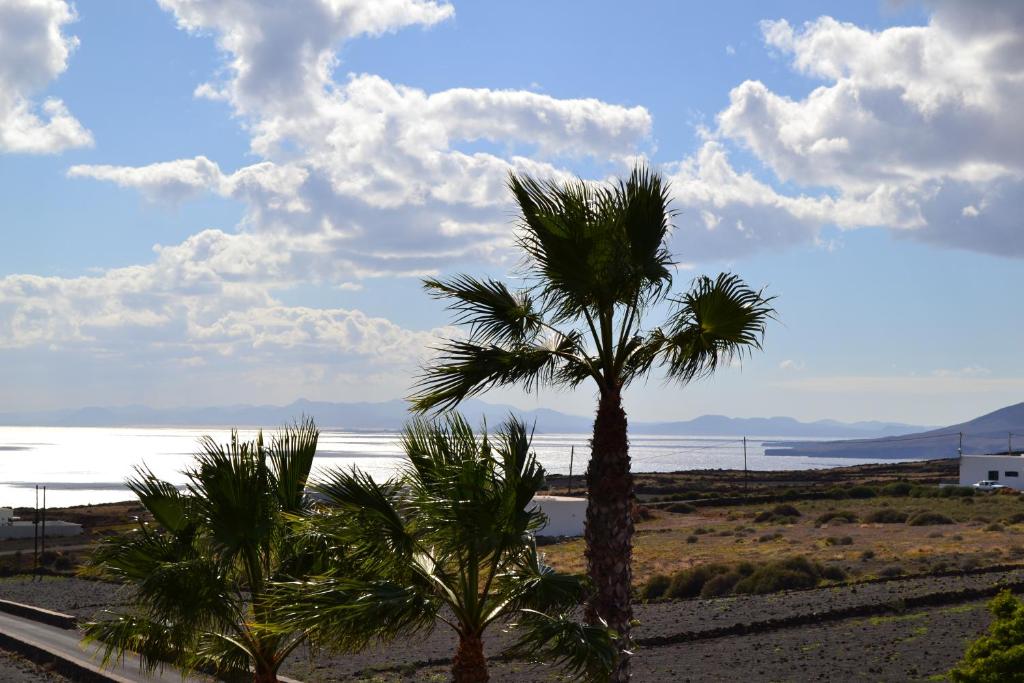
(886, 516)
(692, 538)
(789, 574)
(1015, 518)
(836, 516)
(655, 587)
(867, 555)
(995, 526)
(689, 582)
(780, 514)
(897, 488)
(720, 585)
(929, 519)
(844, 540)
(998, 655)
(861, 492)
(716, 580)
(680, 508)
(891, 571)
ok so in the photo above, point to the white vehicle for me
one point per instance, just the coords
(989, 485)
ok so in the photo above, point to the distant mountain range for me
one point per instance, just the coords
(390, 415)
(985, 434)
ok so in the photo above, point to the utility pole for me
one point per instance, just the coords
(42, 536)
(35, 534)
(572, 452)
(745, 483)
(960, 448)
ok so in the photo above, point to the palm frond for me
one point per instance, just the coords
(156, 644)
(588, 651)
(494, 313)
(716, 321)
(466, 369)
(291, 458)
(161, 499)
(347, 614)
(595, 247)
(364, 516)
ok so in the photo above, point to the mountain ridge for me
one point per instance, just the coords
(983, 434)
(391, 415)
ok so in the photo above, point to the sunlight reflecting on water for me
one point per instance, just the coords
(89, 465)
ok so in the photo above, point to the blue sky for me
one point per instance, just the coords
(227, 202)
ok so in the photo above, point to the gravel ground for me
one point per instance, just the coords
(664, 619)
(71, 596)
(926, 641)
(14, 667)
(910, 647)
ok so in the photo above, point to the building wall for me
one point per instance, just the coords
(53, 529)
(975, 468)
(566, 516)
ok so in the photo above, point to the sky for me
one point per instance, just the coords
(234, 201)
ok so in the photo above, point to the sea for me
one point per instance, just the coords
(88, 465)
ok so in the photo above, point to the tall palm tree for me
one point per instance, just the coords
(595, 262)
(200, 571)
(451, 539)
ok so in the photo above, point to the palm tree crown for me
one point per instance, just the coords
(449, 539)
(199, 572)
(595, 260)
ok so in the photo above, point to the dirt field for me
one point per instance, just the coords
(985, 531)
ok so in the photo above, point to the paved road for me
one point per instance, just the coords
(67, 644)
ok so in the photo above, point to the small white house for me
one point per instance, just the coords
(566, 516)
(1008, 470)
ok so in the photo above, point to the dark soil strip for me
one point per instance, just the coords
(767, 625)
(977, 571)
(913, 602)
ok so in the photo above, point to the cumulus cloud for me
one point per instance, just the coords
(384, 178)
(209, 296)
(914, 128)
(33, 52)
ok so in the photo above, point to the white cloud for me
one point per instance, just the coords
(790, 364)
(916, 128)
(33, 52)
(968, 371)
(207, 297)
(382, 178)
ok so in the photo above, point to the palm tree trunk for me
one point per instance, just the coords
(609, 529)
(469, 665)
(264, 675)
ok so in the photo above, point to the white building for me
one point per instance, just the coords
(1005, 469)
(566, 516)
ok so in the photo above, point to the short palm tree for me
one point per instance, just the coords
(595, 262)
(199, 572)
(449, 539)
